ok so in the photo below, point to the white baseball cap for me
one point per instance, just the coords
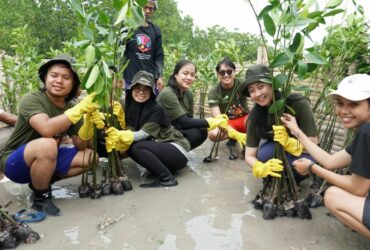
(355, 87)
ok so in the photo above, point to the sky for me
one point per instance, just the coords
(238, 15)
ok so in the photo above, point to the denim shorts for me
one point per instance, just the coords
(366, 214)
(17, 170)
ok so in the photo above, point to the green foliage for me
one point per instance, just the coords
(20, 71)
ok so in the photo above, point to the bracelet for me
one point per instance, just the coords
(309, 167)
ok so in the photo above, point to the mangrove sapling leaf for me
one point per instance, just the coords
(296, 42)
(331, 4)
(141, 2)
(276, 107)
(99, 85)
(81, 43)
(269, 24)
(90, 55)
(264, 11)
(93, 76)
(312, 57)
(302, 69)
(122, 14)
(280, 60)
(89, 34)
(279, 81)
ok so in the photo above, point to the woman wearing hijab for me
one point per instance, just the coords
(150, 140)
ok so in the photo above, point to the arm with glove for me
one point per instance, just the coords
(120, 140)
(290, 144)
(241, 138)
(118, 111)
(217, 121)
(262, 170)
(90, 119)
(87, 105)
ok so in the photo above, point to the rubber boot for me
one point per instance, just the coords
(41, 201)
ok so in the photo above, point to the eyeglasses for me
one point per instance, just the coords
(141, 88)
(224, 72)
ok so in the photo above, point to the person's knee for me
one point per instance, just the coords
(46, 148)
(331, 197)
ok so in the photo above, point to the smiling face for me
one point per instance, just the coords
(186, 76)
(226, 75)
(352, 113)
(261, 93)
(141, 93)
(58, 81)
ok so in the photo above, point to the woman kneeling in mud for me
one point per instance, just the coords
(150, 140)
(348, 199)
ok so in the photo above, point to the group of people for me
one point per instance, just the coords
(157, 127)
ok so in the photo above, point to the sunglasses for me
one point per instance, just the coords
(224, 72)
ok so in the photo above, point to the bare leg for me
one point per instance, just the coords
(347, 207)
(81, 162)
(41, 156)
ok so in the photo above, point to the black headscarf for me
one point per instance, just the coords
(138, 114)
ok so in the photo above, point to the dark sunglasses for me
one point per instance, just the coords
(224, 72)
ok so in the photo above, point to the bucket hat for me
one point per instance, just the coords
(144, 78)
(256, 73)
(65, 59)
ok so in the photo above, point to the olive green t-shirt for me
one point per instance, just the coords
(31, 104)
(303, 114)
(176, 104)
(233, 106)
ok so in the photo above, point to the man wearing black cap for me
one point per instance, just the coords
(32, 153)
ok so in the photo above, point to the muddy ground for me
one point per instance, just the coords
(209, 209)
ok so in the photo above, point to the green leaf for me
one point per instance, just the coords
(93, 76)
(90, 55)
(99, 84)
(106, 70)
(76, 5)
(141, 3)
(315, 14)
(331, 4)
(137, 17)
(269, 25)
(302, 69)
(81, 43)
(279, 81)
(333, 12)
(88, 33)
(117, 4)
(280, 60)
(122, 14)
(276, 106)
(296, 42)
(312, 57)
(264, 11)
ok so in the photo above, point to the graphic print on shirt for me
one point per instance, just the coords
(144, 43)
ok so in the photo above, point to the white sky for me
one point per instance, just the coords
(237, 14)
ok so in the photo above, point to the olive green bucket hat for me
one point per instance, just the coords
(144, 78)
(65, 59)
(256, 73)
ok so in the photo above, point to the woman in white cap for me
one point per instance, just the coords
(348, 199)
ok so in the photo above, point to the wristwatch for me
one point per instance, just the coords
(309, 167)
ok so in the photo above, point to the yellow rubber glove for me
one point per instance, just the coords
(87, 129)
(87, 105)
(241, 138)
(118, 111)
(262, 170)
(118, 139)
(218, 121)
(290, 144)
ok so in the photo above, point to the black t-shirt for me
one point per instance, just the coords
(360, 152)
(145, 52)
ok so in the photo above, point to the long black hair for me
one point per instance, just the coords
(172, 80)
